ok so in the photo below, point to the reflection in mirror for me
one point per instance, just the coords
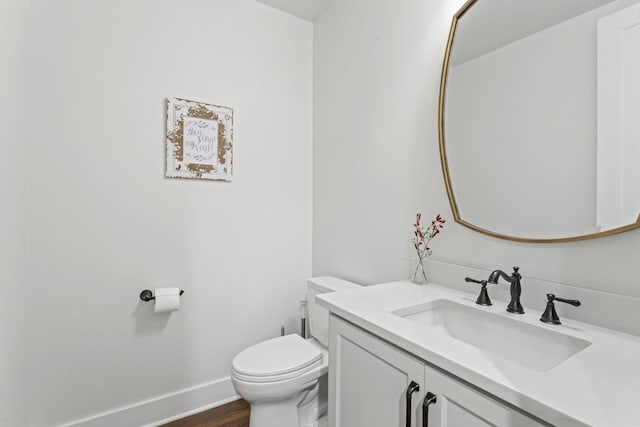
(539, 129)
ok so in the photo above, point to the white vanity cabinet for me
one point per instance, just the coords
(369, 381)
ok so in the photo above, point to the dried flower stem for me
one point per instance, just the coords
(421, 238)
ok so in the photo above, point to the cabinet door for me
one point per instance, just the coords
(369, 379)
(459, 405)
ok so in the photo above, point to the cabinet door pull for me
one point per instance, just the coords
(428, 400)
(413, 387)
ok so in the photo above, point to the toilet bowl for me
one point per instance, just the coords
(284, 379)
(285, 395)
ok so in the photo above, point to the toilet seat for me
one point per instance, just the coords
(277, 359)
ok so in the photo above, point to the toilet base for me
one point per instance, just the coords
(301, 410)
(283, 413)
(314, 404)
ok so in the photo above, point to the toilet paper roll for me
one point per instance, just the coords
(167, 299)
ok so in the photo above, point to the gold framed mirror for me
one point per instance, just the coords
(536, 126)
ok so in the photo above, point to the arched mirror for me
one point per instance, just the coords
(539, 108)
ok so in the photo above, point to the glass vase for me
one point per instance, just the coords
(419, 271)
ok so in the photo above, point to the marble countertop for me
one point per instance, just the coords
(599, 386)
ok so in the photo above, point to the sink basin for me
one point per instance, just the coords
(530, 346)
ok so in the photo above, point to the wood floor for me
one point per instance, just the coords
(234, 414)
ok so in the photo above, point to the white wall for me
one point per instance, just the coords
(618, 186)
(107, 224)
(376, 160)
(12, 223)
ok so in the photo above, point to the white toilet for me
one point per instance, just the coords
(284, 379)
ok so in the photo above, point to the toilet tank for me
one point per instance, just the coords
(319, 316)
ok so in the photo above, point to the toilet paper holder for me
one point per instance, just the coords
(147, 295)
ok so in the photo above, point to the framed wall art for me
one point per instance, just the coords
(199, 140)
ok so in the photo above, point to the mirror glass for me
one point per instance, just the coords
(540, 135)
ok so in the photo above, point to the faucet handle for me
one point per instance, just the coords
(550, 315)
(515, 272)
(483, 297)
(573, 302)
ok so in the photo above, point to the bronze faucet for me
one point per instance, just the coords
(514, 306)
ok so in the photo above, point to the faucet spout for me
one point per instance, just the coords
(516, 289)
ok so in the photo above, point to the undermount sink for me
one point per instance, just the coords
(530, 346)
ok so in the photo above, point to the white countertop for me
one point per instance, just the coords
(599, 386)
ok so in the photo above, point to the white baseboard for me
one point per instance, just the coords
(166, 408)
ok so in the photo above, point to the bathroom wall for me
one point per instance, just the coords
(376, 161)
(106, 224)
(13, 228)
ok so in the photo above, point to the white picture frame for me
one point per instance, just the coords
(199, 143)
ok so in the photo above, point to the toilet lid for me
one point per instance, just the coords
(276, 356)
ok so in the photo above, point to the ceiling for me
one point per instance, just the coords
(491, 24)
(305, 9)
